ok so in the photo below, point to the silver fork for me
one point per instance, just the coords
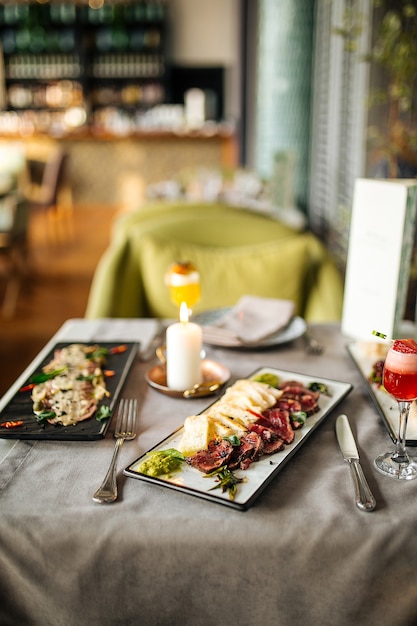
(125, 430)
(312, 345)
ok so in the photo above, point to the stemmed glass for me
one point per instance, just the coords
(400, 380)
(183, 281)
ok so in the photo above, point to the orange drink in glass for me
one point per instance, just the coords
(183, 281)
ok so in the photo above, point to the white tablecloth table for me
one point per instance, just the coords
(303, 554)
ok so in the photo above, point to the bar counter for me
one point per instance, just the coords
(105, 168)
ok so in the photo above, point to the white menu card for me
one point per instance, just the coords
(381, 243)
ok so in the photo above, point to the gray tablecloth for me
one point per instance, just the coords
(302, 554)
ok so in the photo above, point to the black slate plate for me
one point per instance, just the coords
(20, 406)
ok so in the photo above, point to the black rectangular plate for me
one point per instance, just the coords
(20, 407)
(260, 473)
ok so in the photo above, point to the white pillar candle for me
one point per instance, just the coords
(183, 352)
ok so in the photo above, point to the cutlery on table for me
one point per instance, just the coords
(365, 501)
(312, 345)
(157, 340)
(125, 430)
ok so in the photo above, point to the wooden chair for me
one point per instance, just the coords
(48, 191)
(13, 249)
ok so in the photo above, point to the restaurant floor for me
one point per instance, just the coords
(57, 285)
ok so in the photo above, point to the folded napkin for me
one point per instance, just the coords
(252, 320)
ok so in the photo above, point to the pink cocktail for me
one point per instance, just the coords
(400, 380)
(400, 370)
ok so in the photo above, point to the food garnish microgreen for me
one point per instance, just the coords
(226, 479)
(44, 376)
(233, 440)
(103, 413)
(44, 415)
(320, 387)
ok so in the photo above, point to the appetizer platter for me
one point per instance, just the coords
(232, 450)
(71, 395)
(370, 366)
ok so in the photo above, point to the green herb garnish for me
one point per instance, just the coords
(103, 413)
(321, 387)
(233, 440)
(44, 415)
(98, 353)
(299, 417)
(44, 376)
(227, 480)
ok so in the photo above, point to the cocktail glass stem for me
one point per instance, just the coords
(400, 455)
(399, 464)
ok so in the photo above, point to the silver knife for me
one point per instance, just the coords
(365, 501)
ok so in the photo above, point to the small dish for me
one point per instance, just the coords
(213, 372)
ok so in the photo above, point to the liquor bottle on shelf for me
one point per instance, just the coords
(112, 56)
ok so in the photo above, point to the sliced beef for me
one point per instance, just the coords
(271, 442)
(267, 435)
(293, 407)
(278, 420)
(250, 449)
(307, 398)
(275, 445)
(289, 404)
(290, 383)
(217, 454)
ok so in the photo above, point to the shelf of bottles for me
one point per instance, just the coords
(58, 55)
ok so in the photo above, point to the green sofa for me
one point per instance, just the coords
(237, 251)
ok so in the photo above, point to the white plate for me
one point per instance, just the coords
(296, 328)
(191, 481)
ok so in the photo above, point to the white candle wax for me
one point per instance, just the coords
(183, 350)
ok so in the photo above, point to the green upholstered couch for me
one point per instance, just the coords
(237, 252)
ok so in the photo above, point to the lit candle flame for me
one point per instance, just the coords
(184, 313)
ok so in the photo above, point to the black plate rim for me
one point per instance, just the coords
(78, 431)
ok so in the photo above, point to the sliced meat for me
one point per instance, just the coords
(275, 445)
(293, 407)
(250, 449)
(289, 404)
(271, 442)
(309, 403)
(279, 421)
(217, 454)
(290, 383)
(307, 398)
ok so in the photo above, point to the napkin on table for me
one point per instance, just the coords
(252, 319)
